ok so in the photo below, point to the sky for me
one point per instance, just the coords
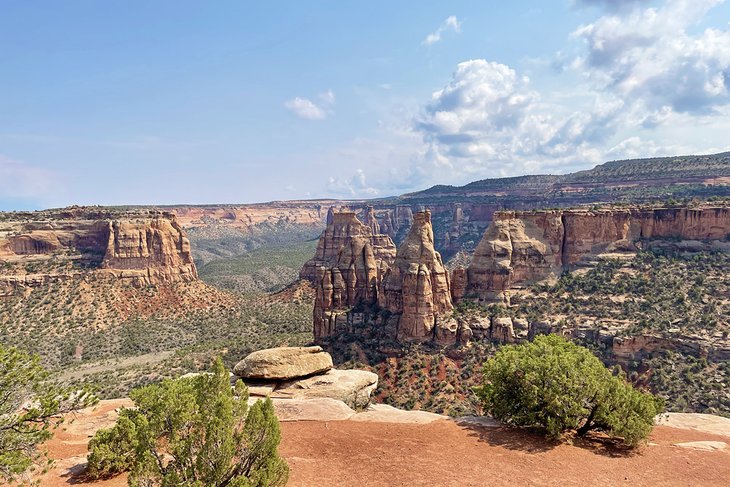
(189, 102)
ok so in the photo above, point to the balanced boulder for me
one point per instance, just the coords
(283, 363)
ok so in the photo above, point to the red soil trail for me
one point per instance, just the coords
(442, 453)
(346, 453)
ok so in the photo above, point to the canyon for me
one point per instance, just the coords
(411, 297)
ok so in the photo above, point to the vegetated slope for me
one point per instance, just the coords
(675, 296)
(114, 337)
(683, 298)
(265, 269)
(216, 241)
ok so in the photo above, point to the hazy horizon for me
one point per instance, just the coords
(188, 103)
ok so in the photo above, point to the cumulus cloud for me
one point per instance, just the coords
(307, 109)
(451, 23)
(643, 68)
(488, 120)
(354, 186)
(653, 59)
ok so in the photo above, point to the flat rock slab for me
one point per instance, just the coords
(261, 389)
(383, 413)
(283, 363)
(707, 423)
(703, 445)
(320, 409)
(354, 387)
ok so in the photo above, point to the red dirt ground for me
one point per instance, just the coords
(349, 453)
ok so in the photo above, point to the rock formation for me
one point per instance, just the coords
(284, 363)
(523, 247)
(347, 269)
(149, 251)
(416, 287)
(142, 247)
(356, 269)
(302, 373)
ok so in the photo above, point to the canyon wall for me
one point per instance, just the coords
(519, 248)
(348, 265)
(358, 273)
(142, 247)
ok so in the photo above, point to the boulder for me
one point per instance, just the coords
(283, 363)
(353, 387)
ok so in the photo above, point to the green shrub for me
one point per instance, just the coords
(559, 386)
(30, 408)
(192, 432)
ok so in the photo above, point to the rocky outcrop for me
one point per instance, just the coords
(346, 234)
(304, 373)
(353, 387)
(349, 264)
(149, 252)
(139, 247)
(416, 287)
(519, 248)
(361, 270)
(283, 363)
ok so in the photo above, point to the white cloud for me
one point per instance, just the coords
(304, 108)
(653, 59)
(354, 186)
(328, 97)
(613, 5)
(488, 121)
(20, 180)
(307, 109)
(451, 23)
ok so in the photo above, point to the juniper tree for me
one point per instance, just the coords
(193, 431)
(30, 408)
(557, 385)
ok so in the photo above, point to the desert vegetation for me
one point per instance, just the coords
(191, 432)
(556, 385)
(31, 407)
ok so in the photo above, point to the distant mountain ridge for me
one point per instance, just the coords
(678, 169)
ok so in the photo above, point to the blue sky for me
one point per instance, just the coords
(169, 102)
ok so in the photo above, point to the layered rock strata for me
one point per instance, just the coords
(519, 248)
(348, 266)
(143, 248)
(416, 287)
(357, 269)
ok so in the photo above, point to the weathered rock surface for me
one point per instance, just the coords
(416, 287)
(316, 409)
(707, 423)
(140, 247)
(345, 233)
(519, 248)
(703, 445)
(349, 263)
(353, 387)
(283, 363)
(383, 413)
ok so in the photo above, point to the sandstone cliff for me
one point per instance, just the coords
(143, 248)
(416, 287)
(347, 268)
(523, 247)
(355, 269)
